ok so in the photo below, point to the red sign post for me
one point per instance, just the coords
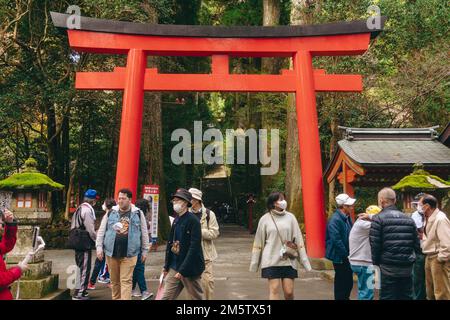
(151, 193)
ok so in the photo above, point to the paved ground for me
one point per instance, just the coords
(233, 280)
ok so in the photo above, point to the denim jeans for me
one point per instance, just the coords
(99, 269)
(366, 277)
(138, 275)
(419, 289)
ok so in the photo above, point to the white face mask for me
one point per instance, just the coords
(282, 204)
(104, 208)
(420, 209)
(178, 207)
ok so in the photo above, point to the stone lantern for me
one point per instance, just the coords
(29, 193)
(421, 181)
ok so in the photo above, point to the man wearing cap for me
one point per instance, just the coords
(360, 255)
(210, 231)
(84, 216)
(184, 263)
(337, 246)
(394, 243)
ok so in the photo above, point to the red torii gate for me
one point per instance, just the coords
(300, 43)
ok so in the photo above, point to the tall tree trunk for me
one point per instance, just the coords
(271, 17)
(293, 180)
(332, 184)
(52, 158)
(152, 150)
(65, 156)
(70, 187)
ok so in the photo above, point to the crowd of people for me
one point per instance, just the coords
(122, 245)
(406, 257)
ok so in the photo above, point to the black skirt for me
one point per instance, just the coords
(279, 273)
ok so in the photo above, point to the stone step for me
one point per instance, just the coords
(36, 270)
(35, 289)
(60, 294)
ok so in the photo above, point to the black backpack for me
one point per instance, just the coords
(79, 238)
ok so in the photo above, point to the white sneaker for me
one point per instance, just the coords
(103, 280)
(147, 295)
(136, 293)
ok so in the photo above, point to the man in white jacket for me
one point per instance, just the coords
(210, 231)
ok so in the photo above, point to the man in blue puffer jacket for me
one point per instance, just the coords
(337, 246)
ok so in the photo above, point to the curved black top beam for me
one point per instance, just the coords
(171, 30)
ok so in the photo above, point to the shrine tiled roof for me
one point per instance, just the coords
(395, 147)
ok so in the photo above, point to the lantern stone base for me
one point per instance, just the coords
(24, 244)
(36, 270)
(37, 282)
(35, 289)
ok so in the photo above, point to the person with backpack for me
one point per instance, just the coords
(100, 268)
(210, 231)
(122, 236)
(82, 239)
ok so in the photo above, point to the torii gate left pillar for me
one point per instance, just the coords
(303, 80)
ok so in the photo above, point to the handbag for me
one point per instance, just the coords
(79, 238)
(289, 249)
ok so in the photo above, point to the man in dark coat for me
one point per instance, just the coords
(184, 263)
(394, 243)
(337, 246)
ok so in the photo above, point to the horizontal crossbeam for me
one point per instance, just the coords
(286, 82)
(98, 42)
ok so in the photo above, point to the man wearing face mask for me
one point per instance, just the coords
(337, 246)
(184, 263)
(436, 247)
(419, 289)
